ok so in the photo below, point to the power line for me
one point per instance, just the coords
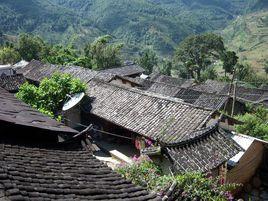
(104, 132)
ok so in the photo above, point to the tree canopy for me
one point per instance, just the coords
(51, 93)
(31, 47)
(254, 123)
(199, 51)
(229, 61)
(103, 54)
(148, 60)
(9, 55)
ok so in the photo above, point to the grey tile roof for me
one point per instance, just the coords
(188, 95)
(210, 86)
(37, 70)
(211, 101)
(32, 173)
(207, 149)
(16, 112)
(243, 94)
(164, 89)
(127, 70)
(198, 98)
(161, 118)
(156, 77)
(12, 83)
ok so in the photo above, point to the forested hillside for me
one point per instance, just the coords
(138, 23)
(248, 36)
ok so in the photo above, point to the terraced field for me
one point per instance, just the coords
(248, 35)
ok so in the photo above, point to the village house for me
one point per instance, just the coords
(243, 94)
(208, 149)
(249, 167)
(128, 120)
(34, 165)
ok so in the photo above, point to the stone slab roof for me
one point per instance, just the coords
(16, 112)
(207, 149)
(157, 117)
(32, 173)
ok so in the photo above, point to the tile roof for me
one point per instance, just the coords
(164, 89)
(157, 77)
(207, 149)
(212, 101)
(36, 71)
(198, 98)
(12, 83)
(210, 86)
(32, 173)
(188, 95)
(126, 70)
(244, 94)
(161, 118)
(16, 112)
(134, 81)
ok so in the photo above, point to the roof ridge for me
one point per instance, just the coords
(154, 95)
(207, 132)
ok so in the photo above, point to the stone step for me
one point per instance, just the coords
(120, 156)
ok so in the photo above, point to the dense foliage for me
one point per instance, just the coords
(102, 54)
(255, 123)
(31, 47)
(197, 52)
(148, 60)
(51, 93)
(160, 23)
(247, 36)
(190, 186)
(9, 55)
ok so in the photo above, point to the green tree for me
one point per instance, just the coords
(229, 61)
(51, 93)
(198, 52)
(209, 74)
(103, 54)
(31, 47)
(165, 67)
(266, 67)
(9, 55)
(60, 55)
(82, 61)
(254, 123)
(147, 60)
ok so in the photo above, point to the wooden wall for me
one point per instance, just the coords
(248, 164)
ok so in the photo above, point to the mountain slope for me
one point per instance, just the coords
(138, 23)
(248, 35)
(42, 17)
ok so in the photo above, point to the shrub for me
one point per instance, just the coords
(190, 186)
(254, 123)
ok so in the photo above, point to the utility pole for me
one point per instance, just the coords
(234, 98)
(229, 92)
